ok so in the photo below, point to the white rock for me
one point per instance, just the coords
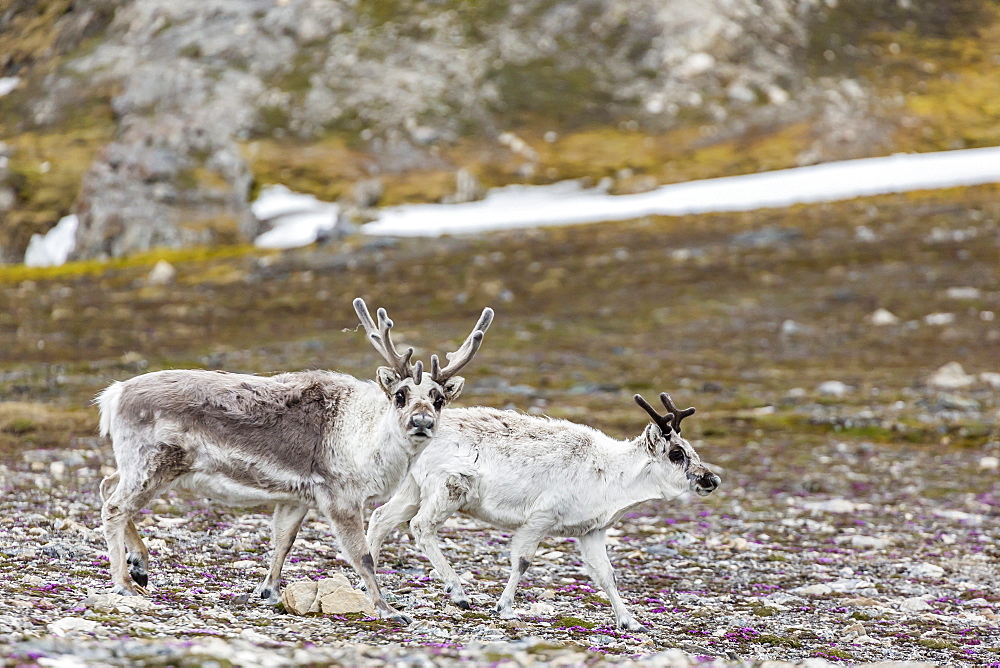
(336, 596)
(869, 542)
(831, 506)
(298, 597)
(950, 376)
(331, 596)
(833, 388)
(162, 273)
(540, 609)
(925, 570)
(244, 563)
(853, 585)
(914, 604)
(883, 317)
(989, 463)
(695, 64)
(991, 378)
(939, 319)
(812, 590)
(68, 625)
(254, 637)
(115, 602)
(963, 292)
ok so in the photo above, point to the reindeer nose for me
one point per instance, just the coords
(422, 421)
(709, 482)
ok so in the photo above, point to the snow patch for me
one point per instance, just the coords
(8, 84)
(568, 203)
(52, 248)
(296, 219)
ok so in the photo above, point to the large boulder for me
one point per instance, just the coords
(164, 183)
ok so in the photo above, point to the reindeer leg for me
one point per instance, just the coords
(285, 525)
(435, 509)
(595, 558)
(523, 544)
(121, 505)
(138, 555)
(400, 508)
(349, 527)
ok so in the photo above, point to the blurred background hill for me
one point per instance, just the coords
(158, 122)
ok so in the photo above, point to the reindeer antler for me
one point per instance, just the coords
(672, 420)
(664, 422)
(382, 342)
(678, 415)
(466, 351)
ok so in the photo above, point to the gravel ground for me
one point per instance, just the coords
(841, 551)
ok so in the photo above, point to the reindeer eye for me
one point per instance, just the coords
(438, 402)
(677, 456)
(400, 398)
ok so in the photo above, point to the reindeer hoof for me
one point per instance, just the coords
(137, 570)
(463, 604)
(401, 619)
(631, 625)
(124, 590)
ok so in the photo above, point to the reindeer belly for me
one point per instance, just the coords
(230, 492)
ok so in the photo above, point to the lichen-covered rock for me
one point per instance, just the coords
(164, 183)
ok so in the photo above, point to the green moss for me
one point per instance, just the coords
(763, 611)
(777, 641)
(935, 643)
(567, 622)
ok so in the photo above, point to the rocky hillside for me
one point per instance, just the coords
(155, 122)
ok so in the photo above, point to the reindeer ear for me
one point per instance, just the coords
(453, 387)
(653, 436)
(387, 379)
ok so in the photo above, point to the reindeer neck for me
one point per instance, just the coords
(629, 475)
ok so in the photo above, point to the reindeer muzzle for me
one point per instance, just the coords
(421, 427)
(706, 484)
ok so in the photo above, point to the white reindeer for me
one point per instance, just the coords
(540, 477)
(310, 439)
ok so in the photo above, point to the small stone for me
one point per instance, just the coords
(870, 542)
(68, 625)
(963, 292)
(883, 317)
(244, 563)
(833, 388)
(953, 402)
(990, 378)
(832, 506)
(914, 604)
(253, 636)
(939, 319)
(116, 602)
(989, 463)
(539, 609)
(926, 570)
(812, 590)
(950, 376)
(162, 273)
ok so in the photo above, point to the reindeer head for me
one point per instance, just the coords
(418, 397)
(680, 466)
